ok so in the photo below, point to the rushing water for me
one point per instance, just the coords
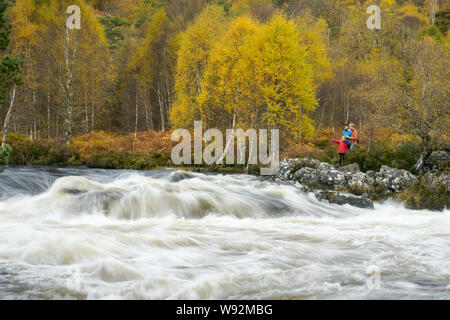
(105, 234)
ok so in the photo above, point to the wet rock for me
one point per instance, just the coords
(345, 198)
(350, 168)
(305, 163)
(323, 166)
(434, 179)
(444, 178)
(438, 160)
(394, 180)
(285, 169)
(360, 182)
(308, 176)
(372, 174)
(330, 177)
(288, 167)
(324, 175)
(428, 191)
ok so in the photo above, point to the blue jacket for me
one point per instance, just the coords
(347, 133)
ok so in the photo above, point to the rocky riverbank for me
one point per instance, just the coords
(348, 185)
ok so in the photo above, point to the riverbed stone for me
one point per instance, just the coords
(438, 160)
(332, 178)
(324, 166)
(436, 179)
(345, 198)
(285, 169)
(318, 175)
(353, 167)
(359, 182)
(308, 176)
(394, 180)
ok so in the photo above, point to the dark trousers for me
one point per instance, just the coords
(341, 158)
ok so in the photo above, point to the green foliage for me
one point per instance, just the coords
(443, 20)
(329, 155)
(159, 160)
(36, 152)
(107, 160)
(226, 6)
(5, 27)
(403, 156)
(423, 195)
(10, 74)
(10, 66)
(431, 31)
(113, 30)
(4, 156)
(124, 160)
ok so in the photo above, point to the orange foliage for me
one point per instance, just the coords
(144, 143)
(324, 135)
(300, 150)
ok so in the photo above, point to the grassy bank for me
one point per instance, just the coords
(148, 150)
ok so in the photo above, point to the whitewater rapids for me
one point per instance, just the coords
(107, 234)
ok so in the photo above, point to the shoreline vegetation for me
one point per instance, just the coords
(152, 150)
(107, 94)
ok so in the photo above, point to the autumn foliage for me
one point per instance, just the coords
(138, 69)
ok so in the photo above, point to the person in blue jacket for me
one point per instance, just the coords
(347, 133)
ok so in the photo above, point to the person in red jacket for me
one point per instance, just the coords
(342, 149)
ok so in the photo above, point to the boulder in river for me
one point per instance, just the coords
(394, 180)
(326, 176)
(353, 167)
(345, 198)
(331, 177)
(322, 174)
(438, 160)
(425, 191)
(307, 176)
(360, 182)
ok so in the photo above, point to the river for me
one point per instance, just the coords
(75, 233)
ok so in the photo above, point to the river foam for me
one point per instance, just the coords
(99, 234)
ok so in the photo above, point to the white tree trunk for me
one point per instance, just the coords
(136, 118)
(8, 116)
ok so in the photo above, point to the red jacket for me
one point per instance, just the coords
(343, 147)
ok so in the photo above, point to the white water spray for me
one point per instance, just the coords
(180, 235)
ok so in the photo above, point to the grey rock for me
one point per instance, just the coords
(434, 180)
(438, 160)
(350, 168)
(444, 178)
(360, 182)
(330, 177)
(345, 198)
(324, 175)
(394, 179)
(288, 167)
(323, 166)
(306, 162)
(308, 176)
(372, 174)
(284, 169)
